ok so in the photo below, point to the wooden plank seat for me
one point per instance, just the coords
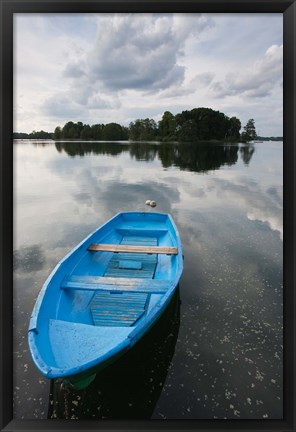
(101, 283)
(133, 249)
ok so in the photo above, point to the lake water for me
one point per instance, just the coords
(217, 352)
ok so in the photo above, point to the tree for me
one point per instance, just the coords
(97, 131)
(68, 130)
(143, 130)
(149, 129)
(40, 135)
(79, 128)
(86, 133)
(167, 127)
(57, 133)
(204, 124)
(234, 128)
(249, 133)
(188, 131)
(113, 132)
(135, 130)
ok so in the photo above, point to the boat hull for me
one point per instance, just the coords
(105, 295)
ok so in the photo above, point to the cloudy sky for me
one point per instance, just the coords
(102, 68)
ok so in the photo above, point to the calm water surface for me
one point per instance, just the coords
(217, 352)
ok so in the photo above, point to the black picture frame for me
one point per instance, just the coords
(7, 9)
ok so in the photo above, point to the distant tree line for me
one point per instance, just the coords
(261, 138)
(198, 124)
(100, 132)
(33, 135)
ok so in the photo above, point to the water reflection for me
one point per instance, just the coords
(81, 148)
(131, 387)
(247, 152)
(256, 201)
(200, 157)
(28, 258)
(196, 157)
(144, 151)
(227, 362)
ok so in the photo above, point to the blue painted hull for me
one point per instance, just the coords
(97, 304)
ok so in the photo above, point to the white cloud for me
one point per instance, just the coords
(258, 80)
(61, 106)
(138, 51)
(74, 70)
(118, 67)
(202, 80)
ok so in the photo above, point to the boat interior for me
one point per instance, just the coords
(109, 288)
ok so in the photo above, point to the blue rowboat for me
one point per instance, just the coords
(104, 296)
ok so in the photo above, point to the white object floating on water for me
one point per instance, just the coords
(150, 203)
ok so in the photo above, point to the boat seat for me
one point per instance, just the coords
(117, 309)
(132, 249)
(115, 284)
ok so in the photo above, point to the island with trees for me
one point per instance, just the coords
(198, 124)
